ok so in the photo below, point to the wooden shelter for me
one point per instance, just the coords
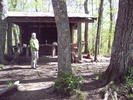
(43, 24)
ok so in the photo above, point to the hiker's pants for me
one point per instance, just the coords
(34, 58)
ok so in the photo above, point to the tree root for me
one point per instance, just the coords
(106, 95)
(111, 92)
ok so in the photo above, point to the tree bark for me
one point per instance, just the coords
(110, 28)
(3, 15)
(23, 3)
(16, 35)
(36, 5)
(63, 30)
(86, 50)
(121, 57)
(97, 43)
(14, 5)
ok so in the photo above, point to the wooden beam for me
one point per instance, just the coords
(32, 20)
(20, 37)
(9, 39)
(79, 42)
(46, 20)
(72, 35)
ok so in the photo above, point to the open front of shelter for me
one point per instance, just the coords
(43, 24)
(46, 34)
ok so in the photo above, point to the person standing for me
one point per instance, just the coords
(34, 47)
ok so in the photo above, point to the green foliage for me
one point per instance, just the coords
(10, 83)
(130, 95)
(97, 77)
(67, 83)
(1, 65)
(113, 86)
(128, 83)
(129, 77)
(76, 69)
(64, 0)
(114, 98)
(76, 6)
(98, 70)
(82, 96)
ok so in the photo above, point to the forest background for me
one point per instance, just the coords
(101, 30)
(110, 8)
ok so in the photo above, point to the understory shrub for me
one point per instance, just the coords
(67, 83)
(129, 82)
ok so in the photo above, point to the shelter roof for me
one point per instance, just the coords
(44, 14)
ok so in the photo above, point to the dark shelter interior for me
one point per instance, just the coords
(46, 33)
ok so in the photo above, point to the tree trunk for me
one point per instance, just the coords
(86, 50)
(92, 6)
(14, 5)
(36, 8)
(110, 28)
(97, 44)
(15, 34)
(3, 15)
(23, 3)
(121, 57)
(63, 30)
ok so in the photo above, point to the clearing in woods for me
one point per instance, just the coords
(35, 84)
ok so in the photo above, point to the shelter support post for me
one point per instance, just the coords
(79, 42)
(72, 39)
(9, 39)
(72, 35)
(20, 37)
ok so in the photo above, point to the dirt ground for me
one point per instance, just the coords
(35, 84)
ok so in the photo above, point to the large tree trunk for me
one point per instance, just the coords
(3, 15)
(63, 30)
(86, 50)
(121, 56)
(97, 43)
